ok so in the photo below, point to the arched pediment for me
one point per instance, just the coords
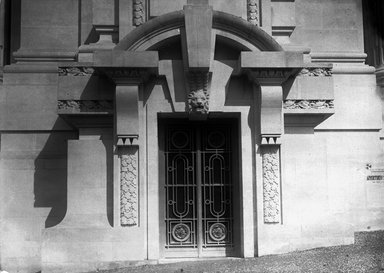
(169, 26)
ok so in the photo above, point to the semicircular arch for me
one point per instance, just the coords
(168, 26)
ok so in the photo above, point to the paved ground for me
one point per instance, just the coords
(351, 258)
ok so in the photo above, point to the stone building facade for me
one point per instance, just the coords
(138, 131)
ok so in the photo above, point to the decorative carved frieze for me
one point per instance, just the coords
(316, 72)
(253, 12)
(76, 71)
(271, 183)
(134, 75)
(129, 187)
(78, 106)
(308, 104)
(138, 12)
(198, 97)
(269, 74)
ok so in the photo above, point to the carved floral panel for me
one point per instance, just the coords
(271, 183)
(129, 187)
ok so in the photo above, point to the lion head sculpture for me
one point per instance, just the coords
(198, 101)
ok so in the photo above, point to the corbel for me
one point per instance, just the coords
(271, 115)
(128, 82)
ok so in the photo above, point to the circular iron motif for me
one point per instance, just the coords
(181, 232)
(216, 139)
(218, 232)
(180, 139)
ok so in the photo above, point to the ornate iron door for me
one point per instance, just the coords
(198, 188)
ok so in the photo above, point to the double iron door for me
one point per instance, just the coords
(199, 190)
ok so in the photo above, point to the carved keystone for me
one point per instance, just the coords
(197, 38)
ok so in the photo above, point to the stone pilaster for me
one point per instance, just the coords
(271, 127)
(127, 141)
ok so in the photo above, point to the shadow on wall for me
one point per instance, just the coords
(50, 178)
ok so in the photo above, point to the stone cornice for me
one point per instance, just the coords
(24, 55)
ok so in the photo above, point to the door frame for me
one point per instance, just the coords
(233, 120)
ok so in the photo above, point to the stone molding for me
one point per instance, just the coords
(138, 12)
(127, 75)
(308, 104)
(271, 184)
(253, 12)
(198, 97)
(79, 106)
(270, 140)
(338, 57)
(315, 72)
(263, 76)
(129, 187)
(76, 71)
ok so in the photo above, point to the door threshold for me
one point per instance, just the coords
(179, 260)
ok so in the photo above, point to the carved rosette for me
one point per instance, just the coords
(78, 106)
(271, 183)
(76, 71)
(129, 188)
(315, 72)
(198, 97)
(138, 12)
(308, 104)
(253, 12)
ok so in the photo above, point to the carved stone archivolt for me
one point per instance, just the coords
(315, 72)
(253, 12)
(76, 106)
(308, 104)
(76, 71)
(198, 97)
(138, 12)
(271, 183)
(129, 187)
